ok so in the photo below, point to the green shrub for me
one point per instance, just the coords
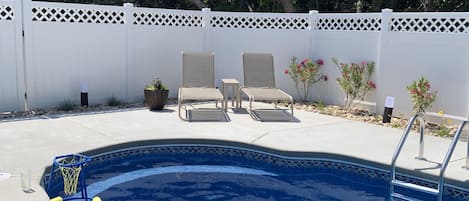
(67, 105)
(320, 105)
(443, 131)
(114, 102)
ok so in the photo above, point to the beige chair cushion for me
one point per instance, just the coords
(266, 94)
(200, 94)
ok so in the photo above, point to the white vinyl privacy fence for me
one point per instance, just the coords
(116, 50)
(11, 80)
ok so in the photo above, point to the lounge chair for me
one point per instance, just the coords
(259, 82)
(198, 82)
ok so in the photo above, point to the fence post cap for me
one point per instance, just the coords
(386, 10)
(128, 5)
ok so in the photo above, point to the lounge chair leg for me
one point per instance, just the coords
(179, 112)
(179, 107)
(291, 105)
(250, 108)
(239, 99)
(223, 110)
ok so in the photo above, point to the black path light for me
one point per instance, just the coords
(84, 95)
(388, 106)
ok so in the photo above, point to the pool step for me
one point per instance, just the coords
(415, 187)
(403, 197)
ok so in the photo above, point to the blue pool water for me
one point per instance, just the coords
(227, 173)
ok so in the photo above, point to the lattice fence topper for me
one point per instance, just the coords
(6, 13)
(259, 22)
(348, 23)
(429, 24)
(77, 15)
(168, 19)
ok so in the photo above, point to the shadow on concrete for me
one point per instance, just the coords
(268, 115)
(163, 111)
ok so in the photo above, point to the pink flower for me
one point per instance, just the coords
(320, 62)
(345, 75)
(371, 84)
(286, 71)
(363, 63)
(325, 78)
(304, 61)
(427, 86)
(298, 66)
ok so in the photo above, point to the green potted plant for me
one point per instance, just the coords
(156, 95)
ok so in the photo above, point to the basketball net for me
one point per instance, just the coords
(71, 176)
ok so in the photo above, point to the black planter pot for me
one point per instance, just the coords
(156, 99)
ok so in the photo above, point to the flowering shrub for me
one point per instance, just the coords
(421, 96)
(305, 73)
(355, 81)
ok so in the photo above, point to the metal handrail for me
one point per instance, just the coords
(420, 156)
(445, 162)
(407, 130)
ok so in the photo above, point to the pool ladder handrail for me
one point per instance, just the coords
(444, 165)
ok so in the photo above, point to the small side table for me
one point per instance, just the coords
(234, 93)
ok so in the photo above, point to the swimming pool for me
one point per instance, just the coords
(226, 172)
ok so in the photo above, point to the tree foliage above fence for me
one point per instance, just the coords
(294, 5)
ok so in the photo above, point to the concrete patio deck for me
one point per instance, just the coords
(32, 144)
